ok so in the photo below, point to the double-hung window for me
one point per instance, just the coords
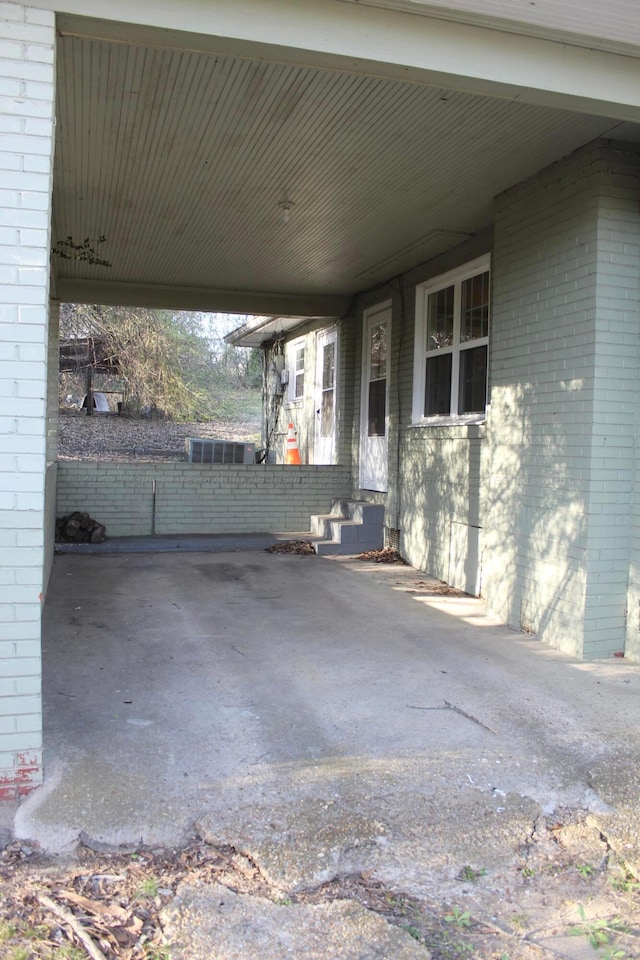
(452, 342)
(296, 358)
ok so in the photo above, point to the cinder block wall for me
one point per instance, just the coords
(27, 52)
(552, 499)
(138, 499)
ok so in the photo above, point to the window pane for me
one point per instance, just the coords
(437, 398)
(328, 365)
(472, 397)
(475, 308)
(378, 352)
(377, 407)
(326, 413)
(440, 319)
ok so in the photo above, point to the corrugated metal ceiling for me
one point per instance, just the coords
(181, 160)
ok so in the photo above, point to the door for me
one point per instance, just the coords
(325, 396)
(375, 398)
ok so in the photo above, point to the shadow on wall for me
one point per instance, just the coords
(534, 502)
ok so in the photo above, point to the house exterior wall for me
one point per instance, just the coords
(280, 409)
(138, 499)
(51, 440)
(432, 502)
(534, 507)
(558, 468)
(27, 51)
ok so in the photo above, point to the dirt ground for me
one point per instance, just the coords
(566, 897)
(110, 437)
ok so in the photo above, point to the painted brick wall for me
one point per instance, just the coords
(434, 472)
(27, 50)
(616, 395)
(549, 564)
(195, 498)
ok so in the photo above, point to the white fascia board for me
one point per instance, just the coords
(205, 299)
(261, 330)
(378, 42)
(613, 26)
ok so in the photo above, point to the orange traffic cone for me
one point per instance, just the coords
(293, 454)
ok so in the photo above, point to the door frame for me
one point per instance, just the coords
(325, 449)
(374, 448)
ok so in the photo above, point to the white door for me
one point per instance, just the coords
(325, 396)
(375, 398)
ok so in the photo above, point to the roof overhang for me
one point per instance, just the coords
(258, 331)
(183, 132)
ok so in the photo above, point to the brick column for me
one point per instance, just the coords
(27, 52)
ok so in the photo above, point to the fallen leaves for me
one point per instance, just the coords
(385, 555)
(301, 547)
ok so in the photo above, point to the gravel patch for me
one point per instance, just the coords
(111, 437)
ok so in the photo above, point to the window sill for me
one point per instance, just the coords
(471, 418)
(465, 427)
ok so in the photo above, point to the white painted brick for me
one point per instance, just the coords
(10, 50)
(10, 88)
(34, 238)
(26, 181)
(21, 106)
(36, 164)
(12, 11)
(32, 295)
(8, 275)
(34, 201)
(23, 144)
(10, 161)
(36, 72)
(40, 91)
(12, 217)
(27, 32)
(31, 315)
(40, 54)
(36, 127)
(44, 17)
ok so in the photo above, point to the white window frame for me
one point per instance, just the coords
(423, 292)
(292, 348)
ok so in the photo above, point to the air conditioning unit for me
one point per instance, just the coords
(219, 451)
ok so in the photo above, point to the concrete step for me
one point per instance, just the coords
(352, 526)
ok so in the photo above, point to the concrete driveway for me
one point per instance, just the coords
(324, 716)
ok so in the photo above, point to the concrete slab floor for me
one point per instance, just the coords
(322, 715)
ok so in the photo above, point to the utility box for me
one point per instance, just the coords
(219, 451)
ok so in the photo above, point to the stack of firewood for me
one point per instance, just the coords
(79, 528)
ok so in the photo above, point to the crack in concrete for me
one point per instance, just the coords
(458, 710)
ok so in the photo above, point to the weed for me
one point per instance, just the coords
(156, 953)
(20, 953)
(6, 931)
(611, 953)
(599, 932)
(468, 873)
(39, 932)
(283, 901)
(528, 872)
(585, 870)
(461, 918)
(69, 952)
(519, 921)
(626, 883)
(149, 888)
(413, 933)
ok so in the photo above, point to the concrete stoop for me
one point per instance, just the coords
(352, 526)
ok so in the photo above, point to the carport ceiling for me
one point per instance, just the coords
(182, 160)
